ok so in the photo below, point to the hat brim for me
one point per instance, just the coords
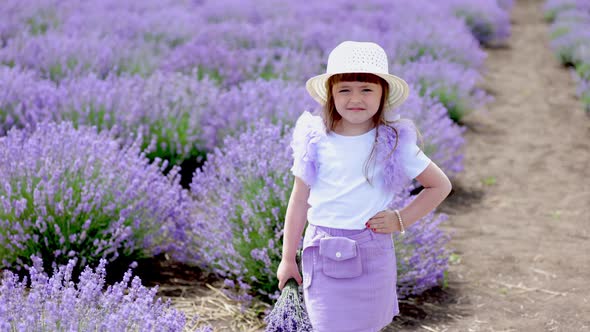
(398, 89)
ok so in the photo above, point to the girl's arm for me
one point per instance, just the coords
(436, 188)
(295, 220)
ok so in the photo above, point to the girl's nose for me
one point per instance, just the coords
(355, 96)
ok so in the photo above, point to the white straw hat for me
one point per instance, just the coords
(359, 57)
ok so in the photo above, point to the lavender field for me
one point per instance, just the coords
(133, 130)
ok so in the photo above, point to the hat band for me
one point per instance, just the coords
(357, 69)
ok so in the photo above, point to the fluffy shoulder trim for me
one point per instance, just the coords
(309, 129)
(394, 175)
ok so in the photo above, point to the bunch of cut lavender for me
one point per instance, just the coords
(288, 313)
(57, 303)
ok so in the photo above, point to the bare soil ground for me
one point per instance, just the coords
(519, 213)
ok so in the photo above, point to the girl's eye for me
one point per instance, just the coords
(343, 90)
(368, 90)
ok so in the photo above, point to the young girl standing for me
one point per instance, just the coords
(348, 164)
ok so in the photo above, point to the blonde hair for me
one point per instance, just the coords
(331, 116)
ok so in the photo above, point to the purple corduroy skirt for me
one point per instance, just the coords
(349, 279)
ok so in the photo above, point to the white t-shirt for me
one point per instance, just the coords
(341, 197)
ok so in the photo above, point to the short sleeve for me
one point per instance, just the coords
(414, 161)
(303, 143)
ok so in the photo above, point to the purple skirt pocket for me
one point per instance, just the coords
(340, 257)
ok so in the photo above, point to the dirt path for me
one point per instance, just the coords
(523, 242)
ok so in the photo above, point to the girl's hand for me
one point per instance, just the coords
(288, 269)
(383, 222)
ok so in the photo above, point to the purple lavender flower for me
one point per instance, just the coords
(422, 257)
(32, 17)
(239, 10)
(55, 56)
(569, 31)
(169, 108)
(505, 4)
(439, 35)
(452, 84)
(553, 7)
(232, 66)
(442, 138)
(236, 108)
(184, 116)
(57, 303)
(264, 51)
(75, 193)
(488, 21)
(583, 89)
(573, 36)
(571, 40)
(572, 15)
(26, 99)
(161, 24)
(240, 196)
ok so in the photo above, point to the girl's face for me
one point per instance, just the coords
(357, 103)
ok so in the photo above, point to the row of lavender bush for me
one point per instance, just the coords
(164, 82)
(570, 39)
(74, 196)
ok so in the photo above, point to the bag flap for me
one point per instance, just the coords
(338, 248)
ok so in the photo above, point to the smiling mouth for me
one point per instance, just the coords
(356, 109)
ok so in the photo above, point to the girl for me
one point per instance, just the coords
(348, 163)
